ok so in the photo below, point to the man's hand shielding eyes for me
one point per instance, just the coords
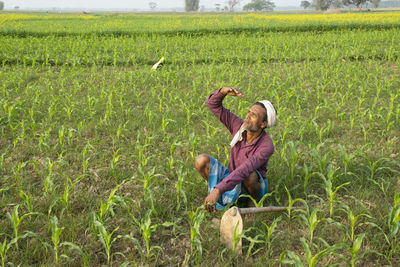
(232, 91)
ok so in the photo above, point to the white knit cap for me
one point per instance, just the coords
(271, 114)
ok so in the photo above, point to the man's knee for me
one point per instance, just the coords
(202, 162)
(252, 180)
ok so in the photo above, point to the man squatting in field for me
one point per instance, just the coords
(251, 148)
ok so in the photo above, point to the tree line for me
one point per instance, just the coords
(325, 4)
(268, 5)
(255, 5)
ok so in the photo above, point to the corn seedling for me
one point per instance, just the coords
(356, 245)
(311, 220)
(108, 206)
(146, 229)
(195, 220)
(114, 162)
(256, 240)
(2, 160)
(16, 220)
(320, 161)
(392, 235)
(330, 189)
(48, 181)
(294, 157)
(106, 239)
(291, 202)
(312, 260)
(6, 246)
(17, 171)
(375, 166)
(55, 236)
(268, 238)
(61, 136)
(307, 174)
(180, 192)
(148, 181)
(258, 204)
(68, 186)
(394, 218)
(290, 257)
(28, 200)
(347, 157)
(193, 141)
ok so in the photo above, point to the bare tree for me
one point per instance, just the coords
(322, 4)
(191, 5)
(232, 4)
(153, 5)
(375, 3)
(337, 3)
(356, 3)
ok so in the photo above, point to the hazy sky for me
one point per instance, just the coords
(138, 4)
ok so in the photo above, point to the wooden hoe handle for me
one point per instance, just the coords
(264, 209)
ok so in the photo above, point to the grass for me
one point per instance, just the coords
(94, 145)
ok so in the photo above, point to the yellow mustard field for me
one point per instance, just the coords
(145, 23)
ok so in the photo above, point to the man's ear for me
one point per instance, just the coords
(264, 124)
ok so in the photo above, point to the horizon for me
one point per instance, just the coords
(124, 5)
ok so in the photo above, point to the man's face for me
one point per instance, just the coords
(254, 119)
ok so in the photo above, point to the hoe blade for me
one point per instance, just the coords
(231, 220)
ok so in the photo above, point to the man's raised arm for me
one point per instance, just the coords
(214, 103)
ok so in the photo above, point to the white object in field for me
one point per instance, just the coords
(155, 66)
(229, 222)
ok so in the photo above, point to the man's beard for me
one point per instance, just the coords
(250, 128)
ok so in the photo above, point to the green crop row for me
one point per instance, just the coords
(238, 50)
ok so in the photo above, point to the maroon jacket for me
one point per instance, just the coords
(244, 158)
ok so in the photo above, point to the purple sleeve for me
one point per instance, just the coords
(259, 159)
(230, 120)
